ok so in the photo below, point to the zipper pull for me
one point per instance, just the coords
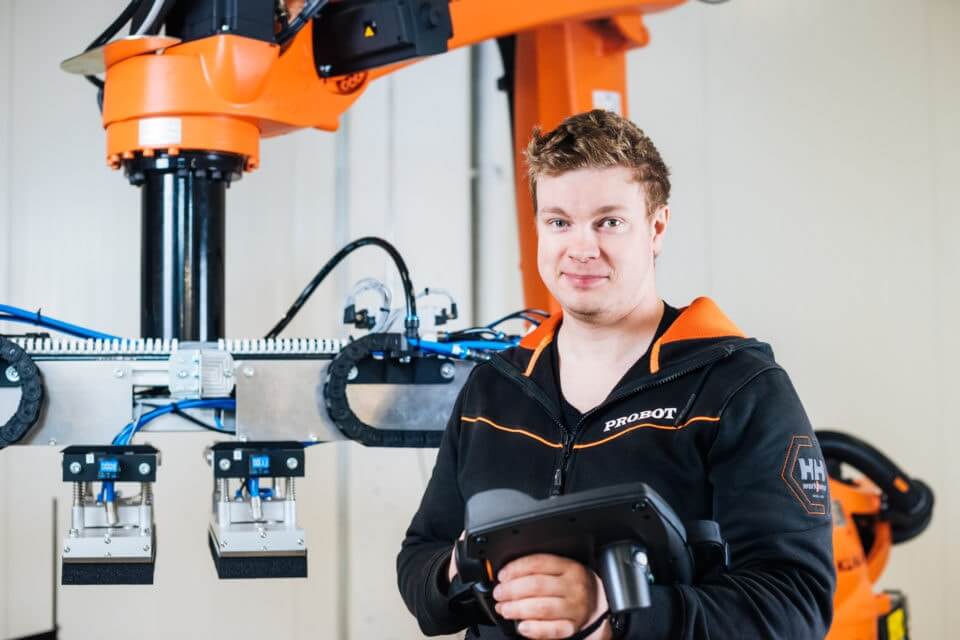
(557, 487)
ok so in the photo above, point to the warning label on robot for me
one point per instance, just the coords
(805, 474)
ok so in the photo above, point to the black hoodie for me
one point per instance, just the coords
(713, 424)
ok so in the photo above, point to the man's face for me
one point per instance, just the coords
(596, 242)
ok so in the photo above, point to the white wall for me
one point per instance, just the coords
(6, 64)
(814, 147)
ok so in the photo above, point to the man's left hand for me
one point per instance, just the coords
(550, 596)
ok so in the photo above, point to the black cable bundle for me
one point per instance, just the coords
(105, 37)
(289, 31)
(411, 323)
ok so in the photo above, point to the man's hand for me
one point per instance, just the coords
(550, 597)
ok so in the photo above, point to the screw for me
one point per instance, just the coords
(263, 534)
(146, 531)
(118, 373)
(74, 533)
(75, 468)
(108, 554)
(447, 371)
(224, 464)
(292, 463)
(12, 374)
(52, 442)
(228, 373)
(225, 27)
(300, 541)
(313, 437)
(144, 468)
(182, 373)
(106, 539)
(640, 559)
(146, 547)
(223, 544)
(248, 371)
(353, 373)
(480, 539)
(66, 549)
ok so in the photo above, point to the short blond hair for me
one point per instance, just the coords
(599, 139)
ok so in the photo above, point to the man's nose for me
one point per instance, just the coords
(583, 246)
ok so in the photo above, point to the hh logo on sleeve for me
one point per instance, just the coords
(805, 474)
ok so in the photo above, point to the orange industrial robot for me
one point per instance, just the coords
(184, 113)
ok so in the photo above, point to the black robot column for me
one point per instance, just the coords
(183, 200)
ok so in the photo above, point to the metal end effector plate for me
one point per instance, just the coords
(109, 556)
(258, 550)
(119, 545)
(91, 383)
(258, 539)
(93, 386)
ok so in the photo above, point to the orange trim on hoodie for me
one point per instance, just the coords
(547, 329)
(702, 319)
(523, 432)
(538, 339)
(547, 339)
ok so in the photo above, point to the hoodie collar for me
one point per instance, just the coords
(701, 320)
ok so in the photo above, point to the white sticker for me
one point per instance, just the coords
(89, 458)
(608, 100)
(238, 454)
(160, 132)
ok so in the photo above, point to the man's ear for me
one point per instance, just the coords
(658, 227)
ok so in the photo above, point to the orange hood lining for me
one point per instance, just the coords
(701, 320)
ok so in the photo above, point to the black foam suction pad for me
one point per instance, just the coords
(87, 573)
(257, 567)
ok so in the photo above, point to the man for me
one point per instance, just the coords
(626, 388)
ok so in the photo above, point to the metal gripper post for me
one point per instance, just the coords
(76, 512)
(290, 503)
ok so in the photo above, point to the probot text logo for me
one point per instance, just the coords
(656, 414)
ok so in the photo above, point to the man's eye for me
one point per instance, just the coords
(557, 223)
(611, 223)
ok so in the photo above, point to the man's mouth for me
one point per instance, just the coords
(584, 280)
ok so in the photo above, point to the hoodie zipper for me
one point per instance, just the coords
(569, 438)
(531, 389)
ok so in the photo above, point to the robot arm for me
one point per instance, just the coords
(225, 76)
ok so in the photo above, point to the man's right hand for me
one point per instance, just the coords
(452, 571)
